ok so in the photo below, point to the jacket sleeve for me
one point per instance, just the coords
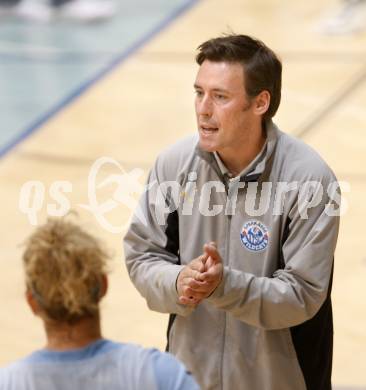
(294, 293)
(151, 248)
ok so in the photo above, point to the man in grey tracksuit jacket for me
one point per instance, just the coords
(268, 323)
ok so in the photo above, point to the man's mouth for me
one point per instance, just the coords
(208, 129)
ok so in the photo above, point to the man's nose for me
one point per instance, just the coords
(204, 106)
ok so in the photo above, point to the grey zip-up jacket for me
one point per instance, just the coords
(268, 325)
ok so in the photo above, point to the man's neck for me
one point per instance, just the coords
(64, 336)
(236, 161)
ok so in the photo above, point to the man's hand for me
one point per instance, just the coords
(188, 282)
(200, 277)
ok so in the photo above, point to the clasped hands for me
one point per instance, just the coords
(199, 278)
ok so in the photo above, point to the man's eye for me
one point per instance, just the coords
(220, 97)
(199, 93)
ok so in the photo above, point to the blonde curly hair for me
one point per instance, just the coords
(64, 267)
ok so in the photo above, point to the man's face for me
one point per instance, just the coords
(224, 114)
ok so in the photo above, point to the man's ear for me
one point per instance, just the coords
(104, 286)
(32, 302)
(261, 102)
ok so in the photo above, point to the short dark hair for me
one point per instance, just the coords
(262, 67)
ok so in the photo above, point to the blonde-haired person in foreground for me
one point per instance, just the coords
(65, 270)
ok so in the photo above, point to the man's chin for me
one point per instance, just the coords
(207, 146)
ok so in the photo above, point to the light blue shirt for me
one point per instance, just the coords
(101, 365)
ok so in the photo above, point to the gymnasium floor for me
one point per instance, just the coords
(70, 95)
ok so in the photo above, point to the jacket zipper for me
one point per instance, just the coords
(225, 315)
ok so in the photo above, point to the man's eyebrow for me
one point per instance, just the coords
(196, 86)
(220, 90)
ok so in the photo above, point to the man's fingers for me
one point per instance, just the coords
(209, 278)
(193, 295)
(189, 301)
(189, 293)
(212, 274)
(211, 251)
(189, 273)
(198, 278)
(199, 263)
(197, 285)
